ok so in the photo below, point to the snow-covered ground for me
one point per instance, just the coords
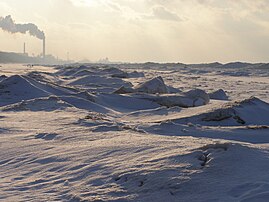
(134, 132)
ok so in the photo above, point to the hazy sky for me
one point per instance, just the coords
(189, 31)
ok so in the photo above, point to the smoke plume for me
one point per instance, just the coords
(8, 24)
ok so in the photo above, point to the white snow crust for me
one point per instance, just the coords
(134, 132)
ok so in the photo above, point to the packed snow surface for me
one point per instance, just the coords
(134, 132)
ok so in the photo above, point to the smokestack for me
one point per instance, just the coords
(9, 25)
(44, 47)
(24, 51)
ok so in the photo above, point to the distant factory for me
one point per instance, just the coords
(8, 24)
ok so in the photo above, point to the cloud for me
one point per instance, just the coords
(162, 13)
(5, 8)
(82, 3)
(113, 6)
(214, 30)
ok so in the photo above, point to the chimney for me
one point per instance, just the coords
(24, 52)
(44, 48)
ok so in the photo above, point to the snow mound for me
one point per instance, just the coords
(153, 86)
(192, 98)
(123, 103)
(53, 88)
(136, 74)
(70, 71)
(17, 88)
(2, 77)
(90, 70)
(172, 100)
(124, 90)
(235, 65)
(113, 71)
(82, 73)
(252, 111)
(100, 81)
(42, 76)
(39, 104)
(200, 97)
(120, 75)
(233, 161)
(87, 96)
(133, 74)
(85, 104)
(218, 95)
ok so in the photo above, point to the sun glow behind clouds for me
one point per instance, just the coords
(145, 30)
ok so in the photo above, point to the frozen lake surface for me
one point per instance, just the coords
(134, 132)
